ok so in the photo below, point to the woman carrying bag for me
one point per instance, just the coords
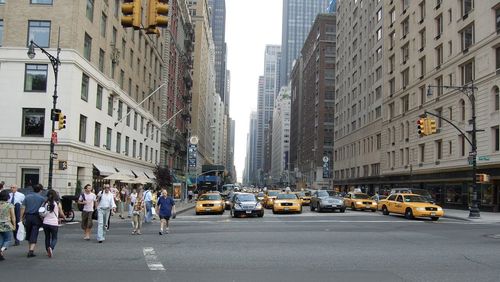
(51, 221)
(7, 222)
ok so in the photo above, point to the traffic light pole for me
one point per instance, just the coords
(55, 62)
(469, 92)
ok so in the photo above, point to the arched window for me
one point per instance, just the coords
(496, 98)
(462, 109)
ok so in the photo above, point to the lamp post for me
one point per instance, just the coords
(468, 90)
(55, 62)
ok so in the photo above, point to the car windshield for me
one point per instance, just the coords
(209, 197)
(324, 193)
(414, 199)
(422, 193)
(360, 196)
(245, 198)
(272, 193)
(261, 194)
(286, 196)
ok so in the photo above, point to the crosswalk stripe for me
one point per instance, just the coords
(152, 260)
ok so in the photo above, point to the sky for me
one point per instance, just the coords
(250, 26)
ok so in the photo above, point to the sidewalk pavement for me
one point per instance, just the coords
(486, 217)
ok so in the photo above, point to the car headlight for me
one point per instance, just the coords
(420, 209)
(258, 206)
(359, 203)
(237, 207)
(440, 209)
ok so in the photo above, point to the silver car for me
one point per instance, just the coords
(326, 200)
(246, 204)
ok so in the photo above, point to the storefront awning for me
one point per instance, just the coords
(149, 174)
(126, 171)
(104, 170)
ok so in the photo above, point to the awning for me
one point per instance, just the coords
(104, 170)
(149, 174)
(127, 172)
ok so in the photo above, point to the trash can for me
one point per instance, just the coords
(67, 202)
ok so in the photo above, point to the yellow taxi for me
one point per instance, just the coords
(286, 203)
(269, 198)
(211, 202)
(411, 206)
(305, 197)
(361, 201)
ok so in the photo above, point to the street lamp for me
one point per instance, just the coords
(468, 90)
(55, 62)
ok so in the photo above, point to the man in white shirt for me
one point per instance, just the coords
(148, 200)
(16, 199)
(106, 204)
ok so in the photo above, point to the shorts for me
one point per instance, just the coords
(87, 219)
(33, 224)
(166, 217)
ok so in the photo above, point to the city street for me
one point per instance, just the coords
(355, 246)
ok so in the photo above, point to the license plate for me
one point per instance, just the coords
(208, 210)
(433, 213)
(368, 207)
(248, 211)
(286, 209)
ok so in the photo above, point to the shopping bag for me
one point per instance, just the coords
(21, 232)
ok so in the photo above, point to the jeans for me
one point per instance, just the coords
(50, 236)
(130, 208)
(149, 213)
(5, 239)
(32, 225)
(102, 221)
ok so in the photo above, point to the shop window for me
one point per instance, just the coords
(30, 177)
(33, 122)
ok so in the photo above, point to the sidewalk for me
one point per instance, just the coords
(486, 217)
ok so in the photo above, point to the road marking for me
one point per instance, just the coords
(297, 221)
(152, 260)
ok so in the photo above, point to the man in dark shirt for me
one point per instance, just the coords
(165, 208)
(33, 222)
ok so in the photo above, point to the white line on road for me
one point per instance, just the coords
(152, 260)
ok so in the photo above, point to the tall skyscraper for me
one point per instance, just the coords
(218, 23)
(298, 17)
(268, 90)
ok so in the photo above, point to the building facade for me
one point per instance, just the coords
(218, 23)
(105, 79)
(281, 138)
(298, 16)
(313, 94)
(358, 99)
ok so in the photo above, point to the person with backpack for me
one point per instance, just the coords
(87, 202)
(29, 210)
(106, 205)
(51, 221)
(7, 222)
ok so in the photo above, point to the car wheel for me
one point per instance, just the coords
(342, 210)
(353, 207)
(409, 213)
(300, 211)
(197, 213)
(261, 214)
(385, 211)
(311, 207)
(318, 207)
(274, 212)
(434, 218)
(374, 210)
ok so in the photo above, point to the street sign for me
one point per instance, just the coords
(193, 140)
(325, 159)
(484, 158)
(54, 155)
(54, 137)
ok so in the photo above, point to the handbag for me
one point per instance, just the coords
(81, 206)
(42, 211)
(94, 214)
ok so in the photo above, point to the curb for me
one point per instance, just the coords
(185, 209)
(457, 218)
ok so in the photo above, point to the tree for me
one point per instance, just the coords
(163, 176)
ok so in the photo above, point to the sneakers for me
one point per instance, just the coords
(49, 252)
(31, 254)
(166, 231)
(161, 233)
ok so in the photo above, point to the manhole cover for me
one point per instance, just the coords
(494, 236)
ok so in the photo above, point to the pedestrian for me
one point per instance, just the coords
(51, 221)
(123, 200)
(2, 185)
(190, 195)
(116, 198)
(7, 222)
(148, 200)
(106, 204)
(131, 200)
(165, 208)
(16, 198)
(138, 213)
(88, 200)
(32, 202)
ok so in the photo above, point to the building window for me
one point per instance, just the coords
(135, 120)
(497, 59)
(405, 102)
(104, 23)
(118, 142)
(117, 8)
(98, 99)
(146, 153)
(405, 77)
(422, 66)
(41, 2)
(128, 115)
(82, 136)
(461, 139)
(421, 149)
(379, 34)
(97, 134)
(405, 27)
(391, 64)
(122, 78)
(391, 110)
(39, 32)
(109, 133)
(496, 138)
(439, 26)
(90, 10)
(134, 145)
(392, 16)
(35, 78)
(33, 122)
(101, 60)
(379, 15)
(392, 86)
(1, 32)
(142, 125)
(140, 150)
(462, 110)
(496, 98)
(467, 6)
(127, 141)
(439, 84)
(405, 52)
(392, 38)
(422, 39)
(467, 72)
(467, 35)
(497, 19)
(120, 110)
(421, 8)
(439, 56)
(422, 94)
(85, 88)
(110, 105)
(87, 47)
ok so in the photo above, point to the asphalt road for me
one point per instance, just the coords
(355, 246)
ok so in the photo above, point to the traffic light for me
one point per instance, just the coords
(431, 126)
(55, 114)
(131, 10)
(421, 127)
(157, 15)
(61, 121)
